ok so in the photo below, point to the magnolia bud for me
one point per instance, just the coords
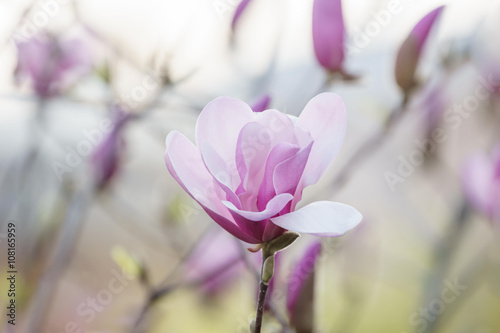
(328, 34)
(411, 49)
(261, 104)
(279, 243)
(268, 269)
(237, 14)
(252, 325)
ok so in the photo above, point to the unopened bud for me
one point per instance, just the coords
(279, 243)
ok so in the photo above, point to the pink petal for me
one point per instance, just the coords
(279, 126)
(251, 154)
(423, 27)
(409, 53)
(324, 117)
(186, 166)
(328, 33)
(220, 123)
(274, 206)
(287, 174)
(255, 142)
(321, 218)
(239, 10)
(280, 153)
(227, 179)
(254, 222)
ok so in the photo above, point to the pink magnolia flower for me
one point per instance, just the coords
(328, 33)
(481, 182)
(411, 49)
(249, 169)
(52, 63)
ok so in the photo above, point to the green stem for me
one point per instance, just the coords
(265, 277)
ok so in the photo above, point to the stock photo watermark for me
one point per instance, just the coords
(453, 117)
(11, 273)
(361, 38)
(89, 309)
(41, 14)
(426, 314)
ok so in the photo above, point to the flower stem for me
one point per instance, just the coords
(265, 277)
(260, 305)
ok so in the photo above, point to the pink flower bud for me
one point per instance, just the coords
(105, 157)
(262, 104)
(239, 11)
(328, 33)
(411, 49)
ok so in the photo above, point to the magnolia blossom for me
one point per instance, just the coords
(481, 181)
(51, 63)
(328, 33)
(248, 169)
(409, 52)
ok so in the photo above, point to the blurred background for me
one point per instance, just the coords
(107, 241)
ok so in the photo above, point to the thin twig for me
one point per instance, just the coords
(260, 305)
(156, 294)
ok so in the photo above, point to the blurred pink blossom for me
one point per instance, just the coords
(411, 49)
(329, 34)
(481, 182)
(239, 11)
(52, 63)
(249, 169)
(215, 262)
(262, 103)
(105, 157)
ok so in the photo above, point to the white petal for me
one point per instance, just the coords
(321, 218)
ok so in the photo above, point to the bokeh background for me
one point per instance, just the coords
(116, 211)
